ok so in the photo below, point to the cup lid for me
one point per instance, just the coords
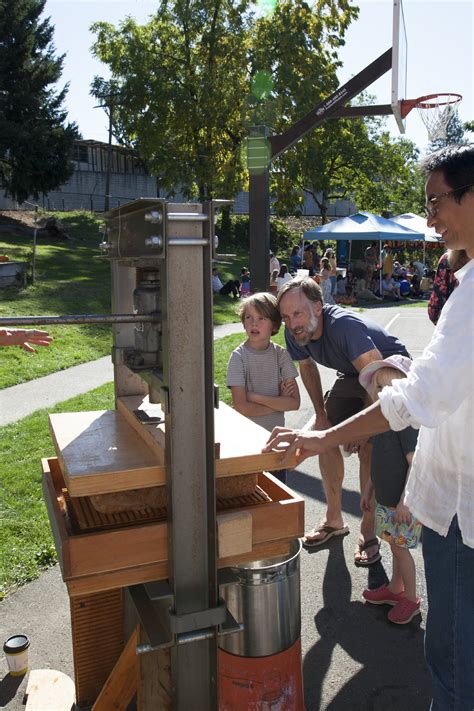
(15, 644)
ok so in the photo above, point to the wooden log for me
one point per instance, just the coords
(49, 689)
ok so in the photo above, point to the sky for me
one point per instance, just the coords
(440, 53)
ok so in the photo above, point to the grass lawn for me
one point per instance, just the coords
(70, 279)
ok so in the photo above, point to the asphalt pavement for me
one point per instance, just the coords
(353, 658)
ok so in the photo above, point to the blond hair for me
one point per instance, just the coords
(265, 305)
(381, 378)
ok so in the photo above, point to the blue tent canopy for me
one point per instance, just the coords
(363, 226)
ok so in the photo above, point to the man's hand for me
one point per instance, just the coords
(296, 443)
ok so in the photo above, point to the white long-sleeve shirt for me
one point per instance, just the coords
(438, 398)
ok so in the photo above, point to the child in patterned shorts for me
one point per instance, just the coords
(391, 459)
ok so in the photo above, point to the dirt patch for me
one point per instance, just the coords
(25, 218)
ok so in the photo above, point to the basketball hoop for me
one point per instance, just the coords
(435, 110)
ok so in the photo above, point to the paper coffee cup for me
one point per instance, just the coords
(16, 652)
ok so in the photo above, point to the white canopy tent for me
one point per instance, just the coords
(415, 222)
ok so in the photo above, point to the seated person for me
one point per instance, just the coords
(361, 292)
(245, 279)
(341, 285)
(415, 287)
(350, 280)
(417, 268)
(229, 287)
(404, 286)
(398, 270)
(390, 288)
(273, 283)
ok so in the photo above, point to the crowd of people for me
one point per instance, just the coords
(384, 278)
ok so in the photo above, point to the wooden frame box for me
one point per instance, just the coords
(138, 552)
(109, 450)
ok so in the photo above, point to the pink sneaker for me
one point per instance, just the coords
(404, 611)
(382, 596)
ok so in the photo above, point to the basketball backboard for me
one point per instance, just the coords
(399, 63)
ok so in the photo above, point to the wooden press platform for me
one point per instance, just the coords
(100, 452)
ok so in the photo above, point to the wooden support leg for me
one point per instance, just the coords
(121, 686)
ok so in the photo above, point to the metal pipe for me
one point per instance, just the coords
(187, 217)
(183, 638)
(187, 242)
(78, 319)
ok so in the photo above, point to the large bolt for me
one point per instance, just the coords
(154, 241)
(154, 217)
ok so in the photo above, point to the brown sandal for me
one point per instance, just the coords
(330, 531)
(361, 547)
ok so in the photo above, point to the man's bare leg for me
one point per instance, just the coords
(367, 525)
(331, 465)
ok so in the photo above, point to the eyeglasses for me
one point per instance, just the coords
(431, 207)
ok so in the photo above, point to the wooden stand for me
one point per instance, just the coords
(102, 554)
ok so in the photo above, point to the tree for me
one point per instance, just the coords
(454, 134)
(199, 74)
(469, 126)
(35, 145)
(183, 80)
(342, 158)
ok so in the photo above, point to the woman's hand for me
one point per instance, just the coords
(298, 443)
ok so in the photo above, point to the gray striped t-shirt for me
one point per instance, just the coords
(261, 372)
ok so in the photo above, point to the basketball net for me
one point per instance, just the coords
(436, 111)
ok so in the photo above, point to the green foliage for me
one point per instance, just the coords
(34, 142)
(70, 279)
(182, 80)
(469, 126)
(233, 233)
(352, 159)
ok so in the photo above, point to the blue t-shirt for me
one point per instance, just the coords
(404, 287)
(345, 337)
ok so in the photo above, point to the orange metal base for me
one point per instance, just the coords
(261, 683)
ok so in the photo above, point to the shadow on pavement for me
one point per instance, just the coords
(383, 663)
(312, 487)
(9, 686)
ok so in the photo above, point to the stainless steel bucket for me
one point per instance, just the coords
(265, 597)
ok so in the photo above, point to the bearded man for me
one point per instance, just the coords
(335, 338)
